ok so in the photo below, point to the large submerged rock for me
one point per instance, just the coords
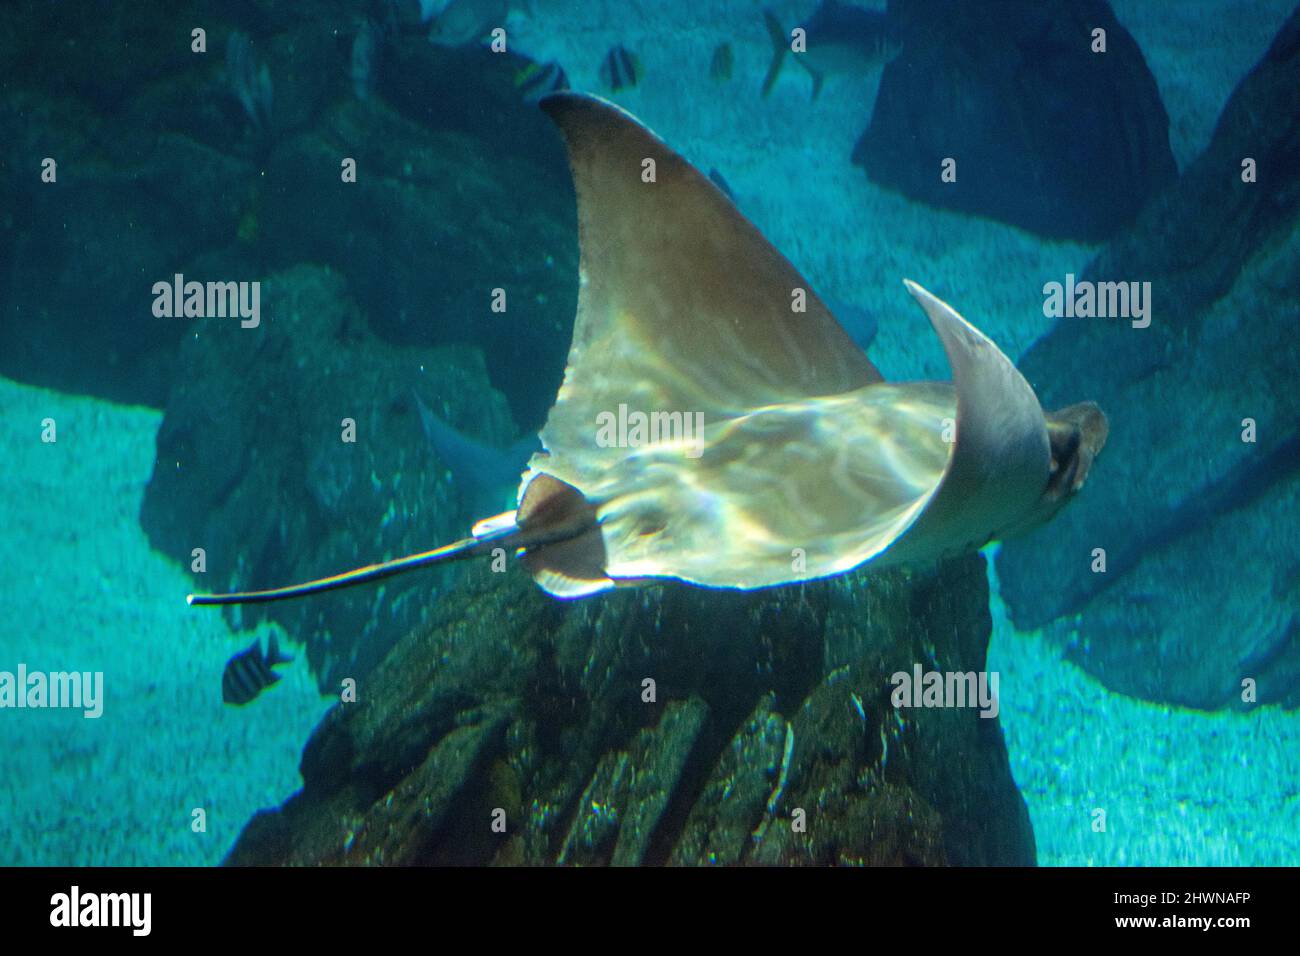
(462, 189)
(172, 161)
(1046, 134)
(1202, 576)
(511, 706)
(230, 168)
(253, 467)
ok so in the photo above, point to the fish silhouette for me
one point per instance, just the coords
(485, 477)
(841, 39)
(808, 463)
(250, 672)
(463, 22)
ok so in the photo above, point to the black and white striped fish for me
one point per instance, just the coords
(249, 672)
(540, 79)
(621, 69)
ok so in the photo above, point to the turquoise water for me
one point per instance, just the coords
(85, 585)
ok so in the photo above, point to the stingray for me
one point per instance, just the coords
(806, 464)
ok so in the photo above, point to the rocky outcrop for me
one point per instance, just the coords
(1046, 134)
(229, 168)
(82, 253)
(1195, 498)
(168, 161)
(462, 189)
(512, 707)
(253, 466)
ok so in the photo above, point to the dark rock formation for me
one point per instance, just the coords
(462, 188)
(83, 253)
(252, 466)
(1202, 572)
(511, 701)
(1047, 135)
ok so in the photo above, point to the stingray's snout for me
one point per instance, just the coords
(1077, 434)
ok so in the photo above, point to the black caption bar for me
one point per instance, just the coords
(333, 905)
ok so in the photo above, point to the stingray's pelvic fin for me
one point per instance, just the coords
(566, 554)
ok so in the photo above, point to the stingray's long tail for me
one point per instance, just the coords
(490, 534)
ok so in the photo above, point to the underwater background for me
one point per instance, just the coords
(1120, 691)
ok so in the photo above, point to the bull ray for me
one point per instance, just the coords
(807, 463)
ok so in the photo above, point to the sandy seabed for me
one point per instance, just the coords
(1178, 787)
(81, 589)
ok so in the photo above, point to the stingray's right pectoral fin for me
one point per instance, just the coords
(1000, 461)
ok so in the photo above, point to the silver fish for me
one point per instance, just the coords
(463, 22)
(840, 39)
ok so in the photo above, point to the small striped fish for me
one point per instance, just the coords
(249, 672)
(540, 79)
(621, 69)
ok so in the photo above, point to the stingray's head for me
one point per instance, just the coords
(1077, 434)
